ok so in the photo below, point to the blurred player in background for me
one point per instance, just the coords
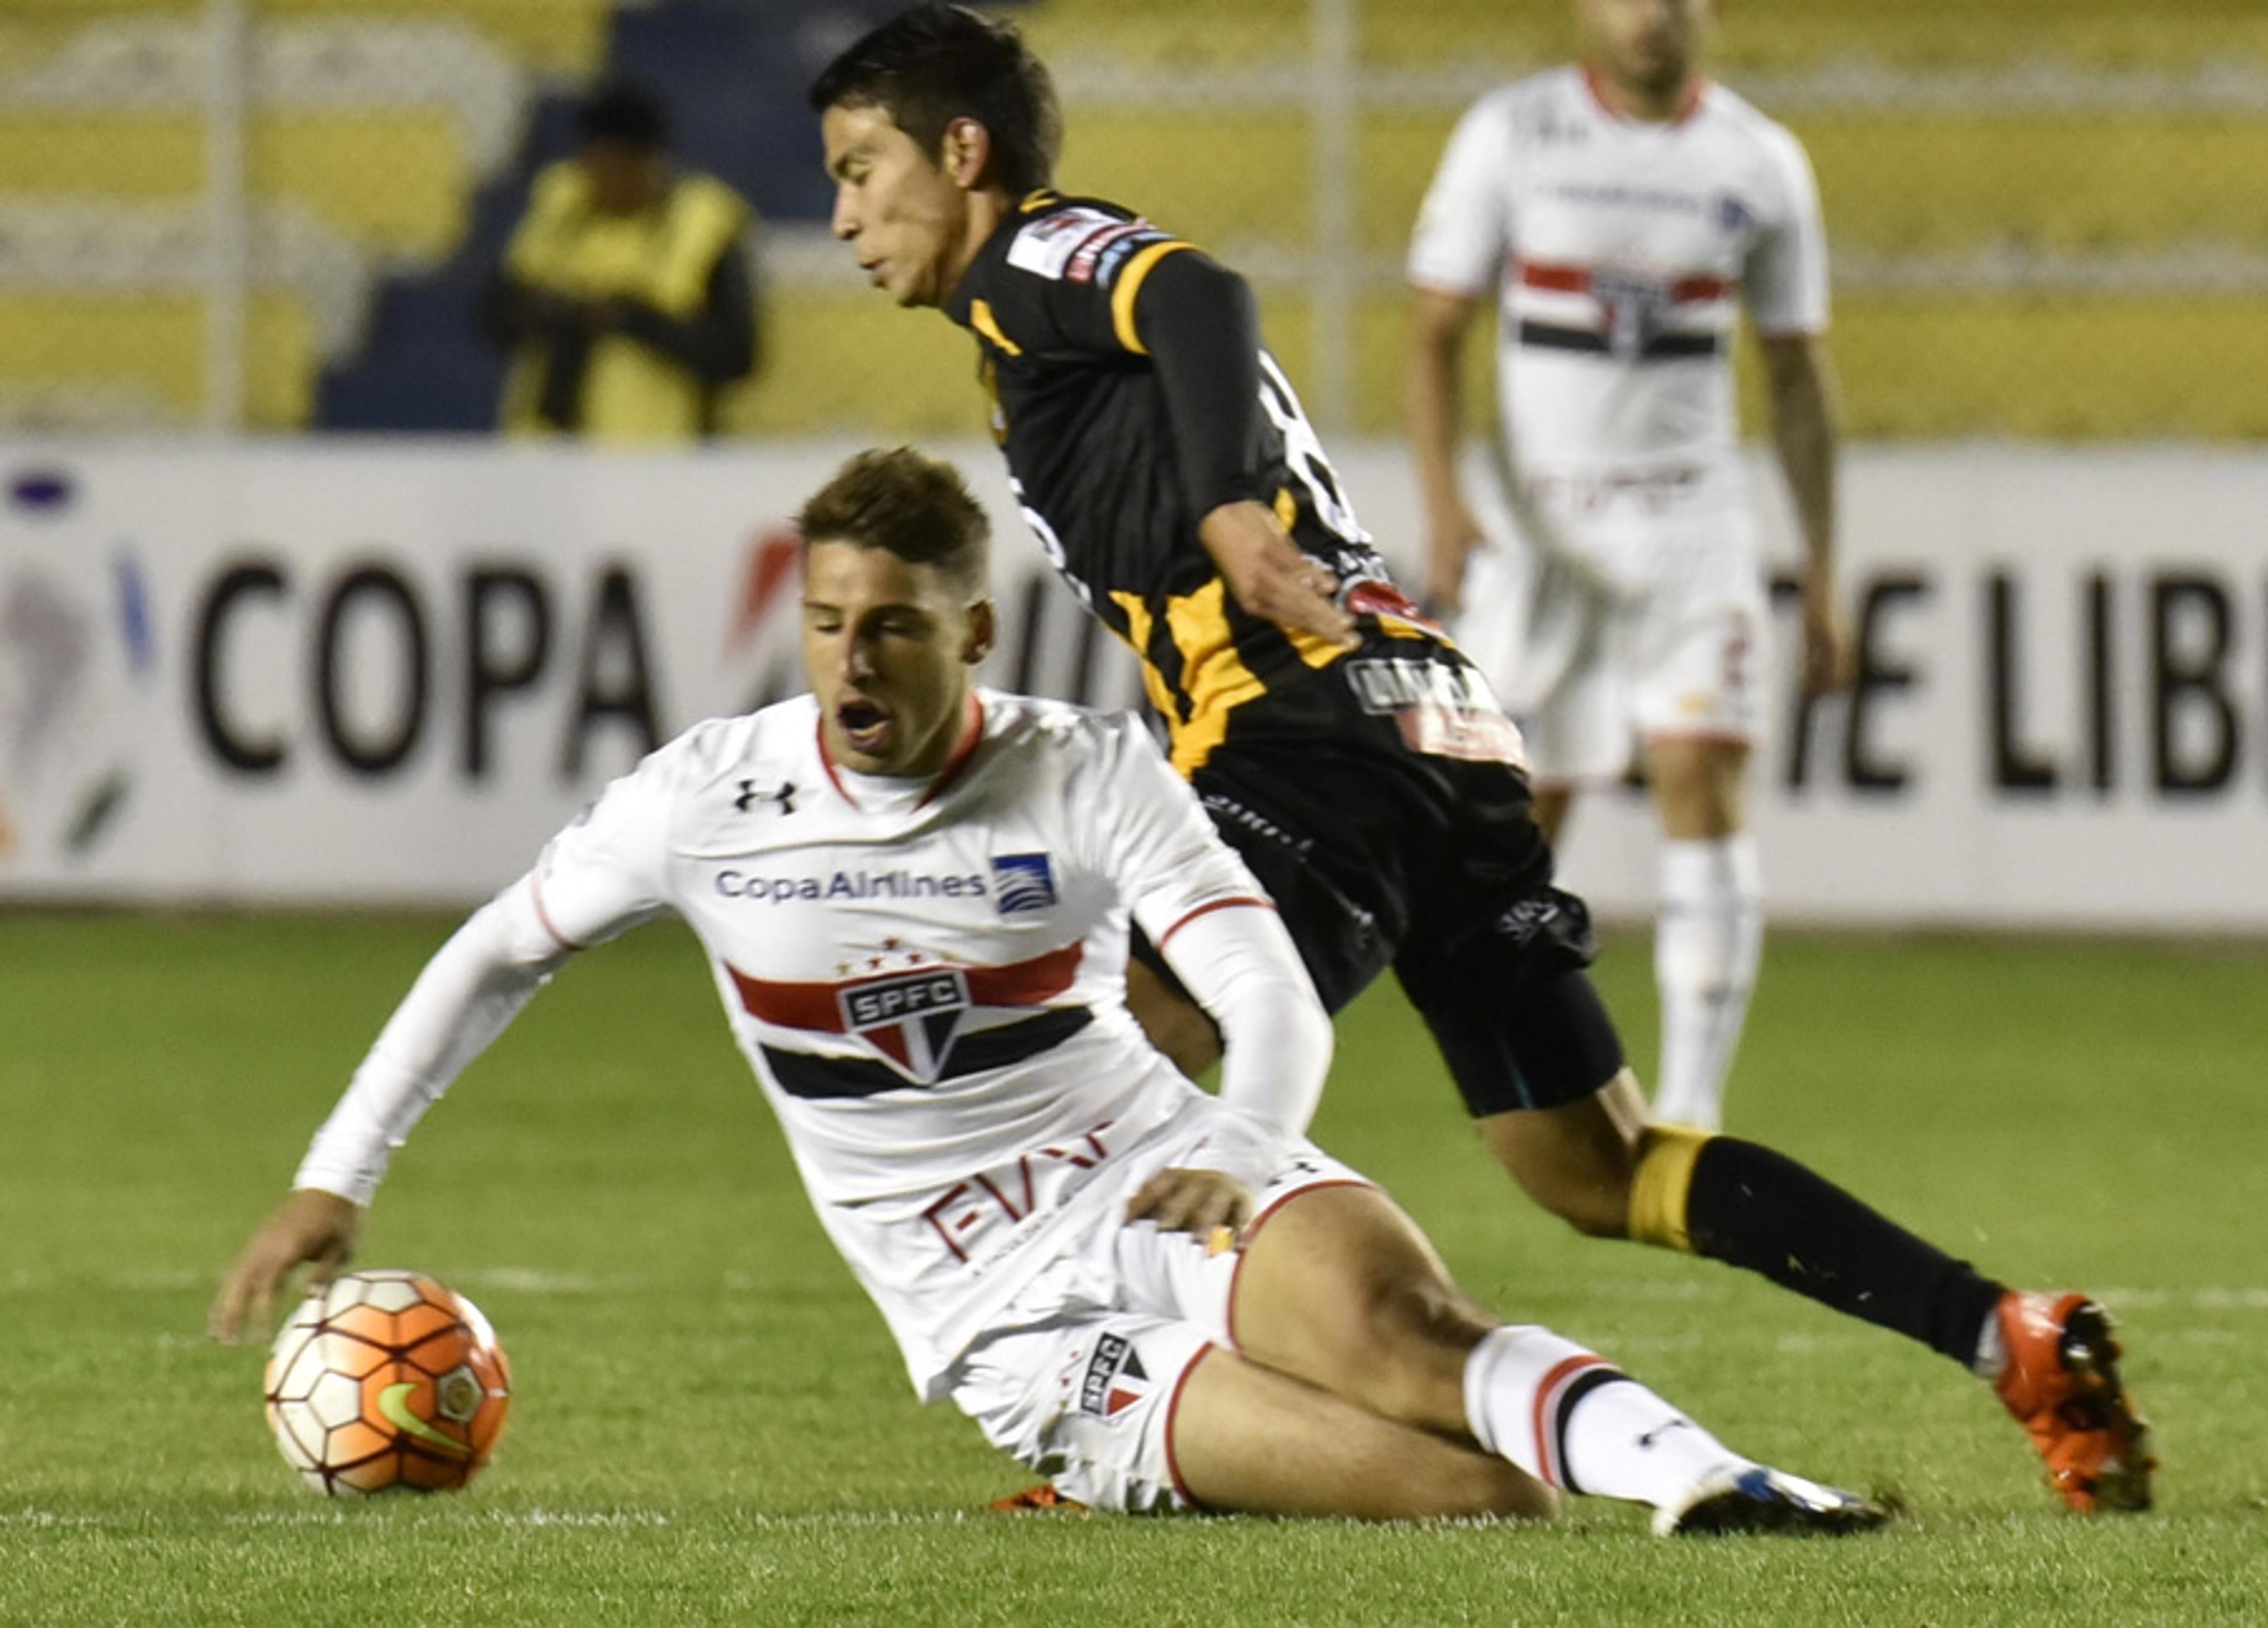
(1617, 215)
(915, 897)
(1350, 753)
(626, 296)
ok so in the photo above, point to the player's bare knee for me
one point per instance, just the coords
(1408, 1356)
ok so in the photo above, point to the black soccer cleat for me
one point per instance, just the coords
(1761, 1500)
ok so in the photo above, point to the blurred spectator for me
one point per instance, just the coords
(626, 294)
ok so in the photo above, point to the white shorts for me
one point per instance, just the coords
(1656, 626)
(1079, 1377)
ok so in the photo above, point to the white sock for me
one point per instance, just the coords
(1708, 942)
(1572, 1419)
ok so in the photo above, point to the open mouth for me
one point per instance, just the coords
(863, 725)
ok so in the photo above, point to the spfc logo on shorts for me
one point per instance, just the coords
(1114, 1379)
(1023, 881)
(910, 1017)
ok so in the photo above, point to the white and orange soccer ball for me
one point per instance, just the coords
(386, 1381)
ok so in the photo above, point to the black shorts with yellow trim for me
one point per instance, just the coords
(1386, 843)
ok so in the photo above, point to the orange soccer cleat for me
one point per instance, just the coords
(1040, 1499)
(2060, 1379)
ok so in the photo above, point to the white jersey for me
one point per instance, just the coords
(1622, 250)
(927, 979)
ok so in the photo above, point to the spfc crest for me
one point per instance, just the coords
(1115, 1379)
(910, 1017)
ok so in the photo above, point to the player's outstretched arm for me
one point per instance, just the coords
(466, 996)
(311, 1227)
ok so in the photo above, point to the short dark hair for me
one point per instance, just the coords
(622, 110)
(935, 64)
(906, 504)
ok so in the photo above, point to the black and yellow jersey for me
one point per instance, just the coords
(1117, 449)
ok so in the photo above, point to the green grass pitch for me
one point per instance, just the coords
(711, 1427)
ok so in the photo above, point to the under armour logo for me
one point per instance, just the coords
(784, 795)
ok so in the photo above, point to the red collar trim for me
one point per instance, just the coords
(1689, 100)
(828, 763)
(970, 739)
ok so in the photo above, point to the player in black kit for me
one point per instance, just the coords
(1342, 744)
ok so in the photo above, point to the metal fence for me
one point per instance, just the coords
(2047, 220)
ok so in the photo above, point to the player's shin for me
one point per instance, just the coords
(1735, 1202)
(1708, 943)
(1574, 1421)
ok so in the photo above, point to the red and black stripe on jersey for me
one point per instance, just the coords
(1082, 413)
(913, 1016)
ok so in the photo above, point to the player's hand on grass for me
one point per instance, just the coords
(1270, 577)
(311, 1227)
(1830, 656)
(1193, 1201)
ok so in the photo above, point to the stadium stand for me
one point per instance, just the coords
(358, 155)
(733, 75)
(2047, 218)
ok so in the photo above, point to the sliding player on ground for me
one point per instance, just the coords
(915, 897)
(1346, 749)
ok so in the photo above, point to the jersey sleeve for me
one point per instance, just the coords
(1220, 933)
(1465, 223)
(1786, 279)
(595, 879)
(606, 871)
(1150, 835)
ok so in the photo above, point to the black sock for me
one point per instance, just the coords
(1748, 1206)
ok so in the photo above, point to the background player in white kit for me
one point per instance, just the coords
(1618, 214)
(915, 897)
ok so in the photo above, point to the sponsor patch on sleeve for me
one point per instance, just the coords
(1073, 244)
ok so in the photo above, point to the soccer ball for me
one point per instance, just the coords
(386, 1381)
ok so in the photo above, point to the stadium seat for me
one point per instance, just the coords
(1912, 182)
(1797, 35)
(823, 371)
(2082, 367)
(2067, 181)
(551, 37)
(394, 182)
(1177, 35)
(1174, 172)
(366, 137)
(2078, 367)
(376, 128)
(150, 345)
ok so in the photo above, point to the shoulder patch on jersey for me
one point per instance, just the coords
(1047, 246)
